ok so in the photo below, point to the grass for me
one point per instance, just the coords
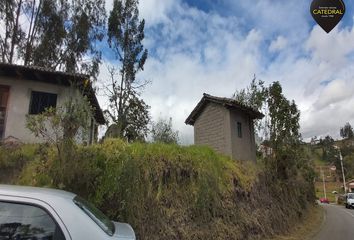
(181, 192)
(315, 155)
(307, 228)
(330, 187)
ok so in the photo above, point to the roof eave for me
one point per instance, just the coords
(41, 74)
(208, 98)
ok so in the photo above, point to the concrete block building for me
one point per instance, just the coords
(226, 126)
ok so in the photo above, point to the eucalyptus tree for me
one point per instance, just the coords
(55, 34)
(127, 112)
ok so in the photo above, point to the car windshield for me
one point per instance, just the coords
(96, 215)
(351, 196)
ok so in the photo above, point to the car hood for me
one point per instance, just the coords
(123, 231)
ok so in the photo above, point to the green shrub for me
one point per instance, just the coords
(173, 192)
(12, 160)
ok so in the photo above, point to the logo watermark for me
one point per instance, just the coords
(327, 13)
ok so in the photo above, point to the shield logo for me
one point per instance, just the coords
(327, 13)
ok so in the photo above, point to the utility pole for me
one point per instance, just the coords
(324, 183)
(341, 163)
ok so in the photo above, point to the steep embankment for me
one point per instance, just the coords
(172, 192)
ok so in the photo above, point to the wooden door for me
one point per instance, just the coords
(4, 95)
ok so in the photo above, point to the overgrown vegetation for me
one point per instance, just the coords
(279, 129)
(162, 131)
(127, 113)
(12, 160)
(60, 128)
(172, 192)
(329, 154)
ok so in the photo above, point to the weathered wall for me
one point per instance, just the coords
(19, 102)
(242, 148)
(217, 127)
(212, 129)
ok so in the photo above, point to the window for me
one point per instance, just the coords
(4, 94)
(41, 101)
(96, 215)
(239, 129)
(21, 221)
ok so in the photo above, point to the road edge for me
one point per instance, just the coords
(324, 217)
(315, 217)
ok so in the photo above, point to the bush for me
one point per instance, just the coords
(174, 192)
(12, 160)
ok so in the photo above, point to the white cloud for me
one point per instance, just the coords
(333, 47)
(196, 52)
(155, 11)
(334, 93)
(278, 44)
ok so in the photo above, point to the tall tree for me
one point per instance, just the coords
(284, 132)
(347, 131)
(253, 96)
(162, 131)
(11, 32)
(284, 118)
(125, 36)
(55, 34)
(281, 125)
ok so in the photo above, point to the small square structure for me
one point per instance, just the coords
(226, 126)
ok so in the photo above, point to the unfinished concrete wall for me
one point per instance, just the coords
(212, 129)
(244, 147)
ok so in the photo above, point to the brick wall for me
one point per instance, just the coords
(210, 129)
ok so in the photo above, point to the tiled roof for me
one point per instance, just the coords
(226, 102)
(41, 74)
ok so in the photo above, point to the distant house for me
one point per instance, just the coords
(225, 125)
(29, 90)
(350, 185)
(265, 150)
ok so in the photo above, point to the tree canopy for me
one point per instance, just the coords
(127, 112)
(347, 131)
(55, 34)
(280, 128)
(162, 131)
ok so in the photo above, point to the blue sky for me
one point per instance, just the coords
(217, 46)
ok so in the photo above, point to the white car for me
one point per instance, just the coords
(43, 214)
(349, 203)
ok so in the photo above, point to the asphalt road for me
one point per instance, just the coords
(338, 224)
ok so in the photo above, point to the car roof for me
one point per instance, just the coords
(44, 194)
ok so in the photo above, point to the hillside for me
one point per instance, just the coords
(333, 178)
(168, 191)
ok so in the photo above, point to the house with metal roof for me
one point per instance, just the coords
(225, 125)
(30, 90)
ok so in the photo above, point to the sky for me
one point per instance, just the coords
(217, 46)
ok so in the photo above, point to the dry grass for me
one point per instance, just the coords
(307, 228)
(174, 192)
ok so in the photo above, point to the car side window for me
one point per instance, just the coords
(21, 221)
